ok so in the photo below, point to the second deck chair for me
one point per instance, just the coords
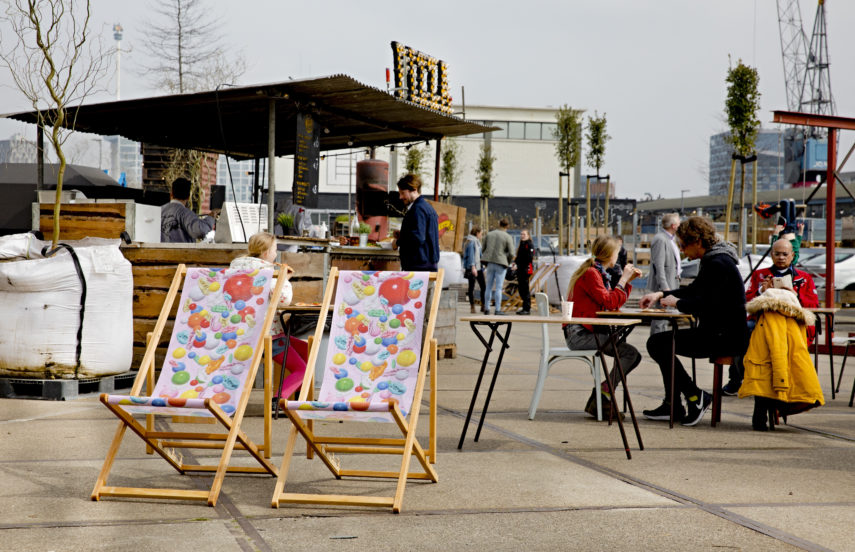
(381, 346)
(221, 329)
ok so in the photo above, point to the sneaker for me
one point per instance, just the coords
(731, 388)
(523, 312)
(663, 412)
(697, 409)
(591, 406)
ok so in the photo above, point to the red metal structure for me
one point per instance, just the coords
(833, 123)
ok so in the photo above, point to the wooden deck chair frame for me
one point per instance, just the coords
(407, 446)
(163, 442)
(535, 284)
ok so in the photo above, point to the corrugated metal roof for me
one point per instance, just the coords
(352, 114)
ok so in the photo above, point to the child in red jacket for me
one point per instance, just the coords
(591, 291)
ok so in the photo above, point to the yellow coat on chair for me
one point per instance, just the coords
(777, 363)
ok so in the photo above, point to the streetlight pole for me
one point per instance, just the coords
(682, 192)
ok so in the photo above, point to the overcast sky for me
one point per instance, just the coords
(656, 68)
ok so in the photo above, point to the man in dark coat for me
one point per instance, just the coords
(716, 298)
(418, 240)
(178, 223)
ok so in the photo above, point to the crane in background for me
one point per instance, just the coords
(807, 76)
(807, 83)
(793, 50)
(816, 94)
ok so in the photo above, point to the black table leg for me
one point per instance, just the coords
(627, 398)
(286, 325)
(673, 367)
(829, 326)
(612, 339)
(505, 345)
(488, 348)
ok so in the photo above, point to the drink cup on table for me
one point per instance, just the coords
(566, 309)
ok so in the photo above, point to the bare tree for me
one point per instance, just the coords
(188, 52)
(189, 55)
(55, 63)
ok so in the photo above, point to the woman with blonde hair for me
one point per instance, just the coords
(261, 253)
(591, 291)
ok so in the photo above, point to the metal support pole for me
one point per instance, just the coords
(830, 219)
(587, 210)
(753, 212)
(436, 170)
(560, 215)
(271, 163)
(606, 220)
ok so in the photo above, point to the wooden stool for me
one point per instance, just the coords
(718, 363)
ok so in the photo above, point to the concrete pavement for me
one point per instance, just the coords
(559, 482)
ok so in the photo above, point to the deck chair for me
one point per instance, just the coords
(538, 284)
(551, 355)
(221, 329)
(381, 346)
(512, 289)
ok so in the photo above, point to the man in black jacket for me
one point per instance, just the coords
(716, 298)
(418, 239)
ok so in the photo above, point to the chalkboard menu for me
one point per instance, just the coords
(306, 161)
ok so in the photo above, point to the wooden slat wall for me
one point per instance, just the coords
(154, 267)
(81, 220)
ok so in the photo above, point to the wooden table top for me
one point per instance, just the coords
(549, 320)
(824, 310)
(646, 313)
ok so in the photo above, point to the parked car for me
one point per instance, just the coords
(844, 269)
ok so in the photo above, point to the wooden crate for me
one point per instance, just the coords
(153, 267)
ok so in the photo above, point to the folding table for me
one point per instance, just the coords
(617, 330)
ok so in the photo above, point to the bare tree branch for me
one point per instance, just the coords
(54, 63)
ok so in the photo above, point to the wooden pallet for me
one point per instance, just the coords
(446, 351)
(62, 389)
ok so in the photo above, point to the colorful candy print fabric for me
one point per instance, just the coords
(375, 346)
(216, 333)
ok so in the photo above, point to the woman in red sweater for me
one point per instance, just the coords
(591, 291)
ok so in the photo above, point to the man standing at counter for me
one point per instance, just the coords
(178, 223)
(418, 239)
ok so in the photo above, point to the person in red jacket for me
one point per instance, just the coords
(782, 274)
(591, 291)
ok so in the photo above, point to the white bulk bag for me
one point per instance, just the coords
(41, 304)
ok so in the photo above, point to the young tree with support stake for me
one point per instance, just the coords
(741, 105)
(450, 172)
(568, 144)
(597, 138)
(485, 180)
(55, 63)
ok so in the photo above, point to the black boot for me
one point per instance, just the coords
(758, 418)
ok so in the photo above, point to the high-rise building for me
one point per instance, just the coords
(125, 159)
(17, 149)
(241, 175)
(784, 159)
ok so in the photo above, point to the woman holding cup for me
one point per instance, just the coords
(591, 291)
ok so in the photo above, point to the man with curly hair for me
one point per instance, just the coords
(716, 298)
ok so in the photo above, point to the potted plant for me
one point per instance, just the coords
(363, 230)
(286, 221)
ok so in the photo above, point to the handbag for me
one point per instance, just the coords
(530, 270)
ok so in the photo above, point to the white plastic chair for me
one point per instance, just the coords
(551, 355)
